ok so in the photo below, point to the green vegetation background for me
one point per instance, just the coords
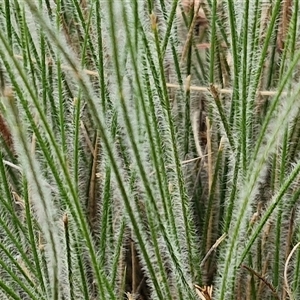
(149, 149)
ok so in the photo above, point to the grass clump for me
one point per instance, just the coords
(149, 149)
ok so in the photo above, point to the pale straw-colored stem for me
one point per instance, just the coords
(169, 85)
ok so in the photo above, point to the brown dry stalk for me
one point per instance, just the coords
(213, 248)
(86, 137)
(286, 14)
(5, 132)
(264, 271)
(197, 14)
(267, 283)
